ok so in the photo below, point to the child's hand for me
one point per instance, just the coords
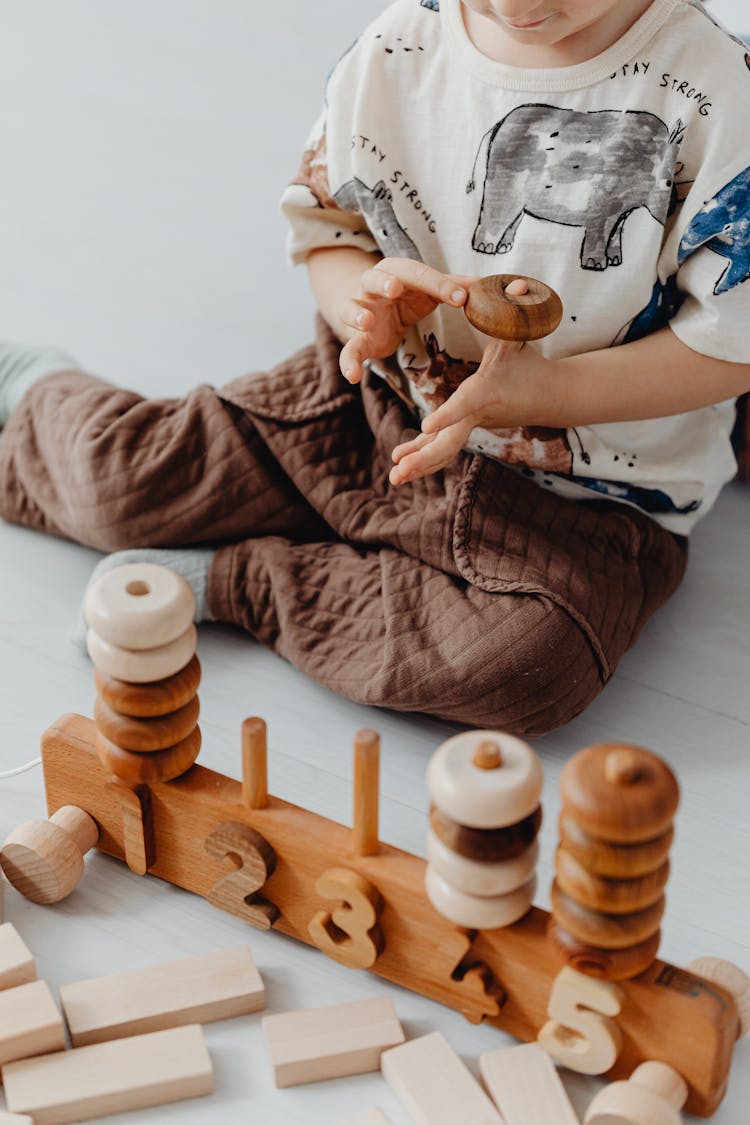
(508, 389)
(392, 296)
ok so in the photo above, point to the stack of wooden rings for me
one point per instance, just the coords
(612, 864)
(142, 641)
(484, 818)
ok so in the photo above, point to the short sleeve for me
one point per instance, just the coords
(320, 205)
(713, 270)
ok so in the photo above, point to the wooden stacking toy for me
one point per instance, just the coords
(528, 315)
(611, 867)
(366, 904)
(481, 849)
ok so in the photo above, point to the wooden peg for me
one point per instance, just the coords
(43, 859)
(653, 1095)
(150, 700)
(254, 764)
(366, 792)
(733, 979)
(138, 838)
(506, 316)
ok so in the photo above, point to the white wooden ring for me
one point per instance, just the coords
(484, 879)
(481, 797)
(478, 913)
(139, 606)
(144, 665)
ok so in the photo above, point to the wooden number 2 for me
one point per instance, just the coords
(581, 1033)
(237, 892)
(351, 934)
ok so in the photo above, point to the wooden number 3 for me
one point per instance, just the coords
(237, 892)
(582, 1033)
(351, 934)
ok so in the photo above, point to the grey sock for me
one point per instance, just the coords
(20, 366)
(193, 564)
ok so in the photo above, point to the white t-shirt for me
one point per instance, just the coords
(622, 182)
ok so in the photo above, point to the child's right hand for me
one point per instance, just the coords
(393, 295)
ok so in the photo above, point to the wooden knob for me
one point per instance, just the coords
(608, 964)
(506, 316)
(139, 606)
(733, 979)
(486, 844)
(43, 859)
(151, 700)
(653, 1095)
(613, 861)
(621, 794)
(142, 666)
(482, 797)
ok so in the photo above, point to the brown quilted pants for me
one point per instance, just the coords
(473, 595)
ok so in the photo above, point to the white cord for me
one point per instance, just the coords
(21, 769)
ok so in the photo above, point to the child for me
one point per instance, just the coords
(492, 566)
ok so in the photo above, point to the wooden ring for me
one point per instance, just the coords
(162, 765)
(146, 735)
(484, 880)
(613, 861)
(485, 798)
(478, 913)
(142, 666)
(150, 701)
(139, 605)
(611, 896)
(486, 844)
(531, 316)
(608, 964)
(608, 931)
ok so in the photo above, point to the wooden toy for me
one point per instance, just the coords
(525, 1086)
(617, 800)
(43, 859)
(141, 666)
(133, 1073)
(364, 903)
(733, 979)
(506, 316)
(17, 965)
(653, 1095)
(320, 1043)
(212, 986)
(434, 1085)
(483, 783)
(139, 606)
(30, 1022)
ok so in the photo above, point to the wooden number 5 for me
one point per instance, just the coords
(351, 934)
(581, 1034)
(237, 892)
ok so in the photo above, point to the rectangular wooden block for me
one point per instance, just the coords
(319, 1043)
(525, 1086)
(203, 989)
(434, 1086)
(30, 1022)
(17, 966)
(135, 1073)
(372, 1116)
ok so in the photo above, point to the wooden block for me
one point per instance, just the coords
(319, 1043)
(203, 989)
(135, 1073)
(525, 1086)
(17, 965)
(434, 1085)
(30, 1022)
(372, 1116)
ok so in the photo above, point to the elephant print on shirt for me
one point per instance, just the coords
(723, 225)
(579, 168)
(376, 204)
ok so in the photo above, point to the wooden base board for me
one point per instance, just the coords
(503, 977)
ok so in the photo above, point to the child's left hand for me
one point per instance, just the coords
(508, 389)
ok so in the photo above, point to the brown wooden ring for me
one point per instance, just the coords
(146, 736)
(605, 931)
(613, 861)
(486, 844)
(162, 765)
(619, 793)
(608, 964)
(530, 316)
(611, 896)
(147, 701)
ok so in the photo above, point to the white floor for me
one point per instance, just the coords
(144, 147)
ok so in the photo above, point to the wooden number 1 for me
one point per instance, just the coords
(237, 892)
(581, 1033)
(351, 934)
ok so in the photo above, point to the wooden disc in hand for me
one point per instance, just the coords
(528, 316)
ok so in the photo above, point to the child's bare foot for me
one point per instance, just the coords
(20, 366)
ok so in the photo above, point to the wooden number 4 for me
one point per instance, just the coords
(351, 934)
(582, 1033)
(237, 892)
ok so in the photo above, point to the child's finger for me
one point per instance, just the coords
(352, 356)
(434, 456)
(517, 288)
(412, 446)
(389, 277)
(460, 407)
(357, 314)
